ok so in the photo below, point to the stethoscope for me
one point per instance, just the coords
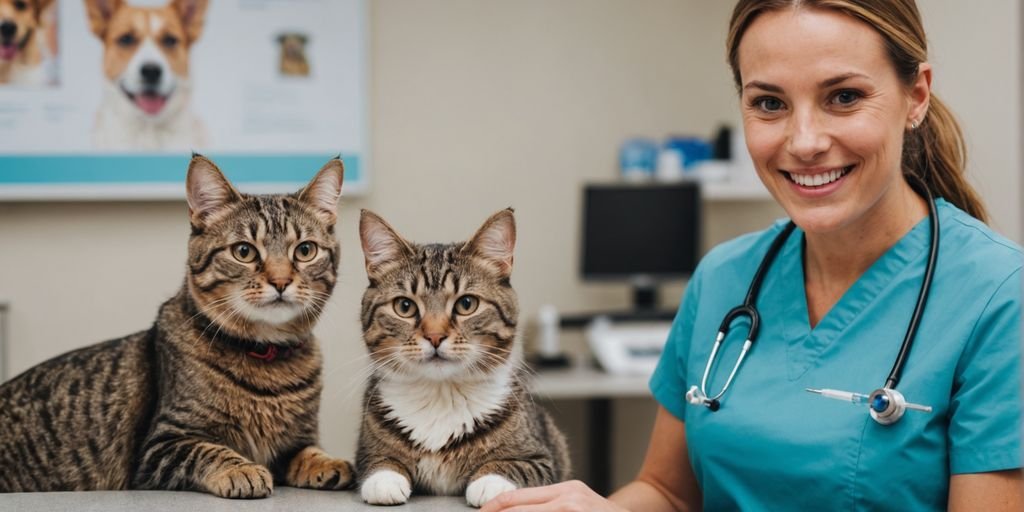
(885, 404)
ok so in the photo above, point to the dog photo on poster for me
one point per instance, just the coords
(109, 98)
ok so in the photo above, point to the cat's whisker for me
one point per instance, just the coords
(217, 315)
(392, 354)
(233, 311)
(213, 304)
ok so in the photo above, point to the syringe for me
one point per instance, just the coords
(846, 396)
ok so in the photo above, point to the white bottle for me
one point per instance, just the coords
(548, 346)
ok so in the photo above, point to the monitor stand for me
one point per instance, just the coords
(645, 294)
(645, 297)
(644, 308)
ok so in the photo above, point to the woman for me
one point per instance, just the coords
(840, 121)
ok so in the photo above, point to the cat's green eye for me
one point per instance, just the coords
(404, 307)
(244, 252)
(466, 305)
(305, 251)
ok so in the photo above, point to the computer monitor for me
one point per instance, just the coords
(641, 233)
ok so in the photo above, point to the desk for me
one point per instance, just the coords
(598, 388)
(586, 382)
(284, 498)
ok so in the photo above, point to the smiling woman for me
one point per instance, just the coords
(825, 115)
(839, 120)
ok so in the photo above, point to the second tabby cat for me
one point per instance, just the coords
(222, 394)
(446, 410)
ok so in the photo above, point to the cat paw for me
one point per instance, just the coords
(314, 469)
(486, 488)
(244, 481)
(386, 487)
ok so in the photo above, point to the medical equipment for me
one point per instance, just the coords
(643, 234)
(627, 348)
(885, 404)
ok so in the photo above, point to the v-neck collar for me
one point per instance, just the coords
(805, 345)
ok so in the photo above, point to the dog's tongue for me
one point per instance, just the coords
(151, 104)
(8, 51)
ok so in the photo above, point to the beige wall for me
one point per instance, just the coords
(974, 47)
(478, 105)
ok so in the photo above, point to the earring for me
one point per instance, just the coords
(913, 125)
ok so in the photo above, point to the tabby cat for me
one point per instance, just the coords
(446, 410)
(222, 393)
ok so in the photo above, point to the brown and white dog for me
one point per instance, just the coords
(147, 92)
(22, 47)
(293, 60)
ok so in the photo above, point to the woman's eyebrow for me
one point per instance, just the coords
(754, 84)
(828, 82)
(840, 79)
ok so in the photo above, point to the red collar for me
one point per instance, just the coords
(271, 352)
(266, 352)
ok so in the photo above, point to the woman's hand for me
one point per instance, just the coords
(665, 484)
(573, 496)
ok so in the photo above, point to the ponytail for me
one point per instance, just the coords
(935, 152)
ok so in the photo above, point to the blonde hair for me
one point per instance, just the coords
(935, 151)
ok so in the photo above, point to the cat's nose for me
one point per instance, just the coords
(280, 283)
(436, 338)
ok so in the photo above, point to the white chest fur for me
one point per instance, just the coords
(21, 74)
(437, 476)
(432, 413)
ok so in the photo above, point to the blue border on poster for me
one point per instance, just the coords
(151, 169)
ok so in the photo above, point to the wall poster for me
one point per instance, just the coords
(107, 99)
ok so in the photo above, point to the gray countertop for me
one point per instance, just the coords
(284, 498)
(582, 381)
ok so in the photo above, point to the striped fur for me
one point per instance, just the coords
(446, 410)
(186, 405)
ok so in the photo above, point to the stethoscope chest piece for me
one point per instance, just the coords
(697, 397)
(887, 406)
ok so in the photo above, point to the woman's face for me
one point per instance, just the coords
(824, 115)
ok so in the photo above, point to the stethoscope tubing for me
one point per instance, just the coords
(922, 296)
(749, 309)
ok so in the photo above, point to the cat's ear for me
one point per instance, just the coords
(207, 190)
(495, 241)
(324, 189)
(382, 245)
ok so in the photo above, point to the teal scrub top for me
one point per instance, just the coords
(774, 446)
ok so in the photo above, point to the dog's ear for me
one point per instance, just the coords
(99, 11)
(192, 13)
(303, 38)
(280, 38)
